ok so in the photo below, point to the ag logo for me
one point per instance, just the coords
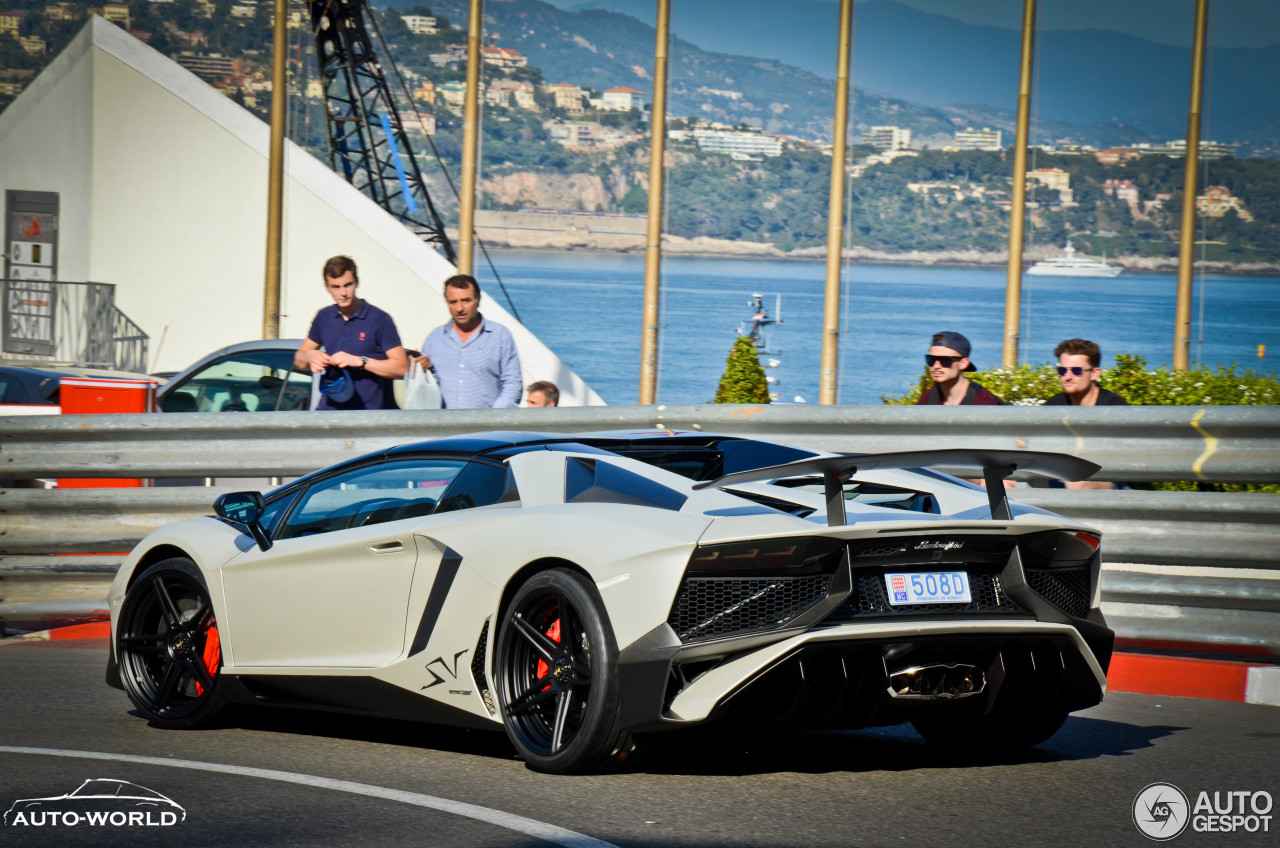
(1161, 811)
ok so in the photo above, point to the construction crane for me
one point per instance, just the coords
(367, 141)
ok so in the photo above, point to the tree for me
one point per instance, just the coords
(743, 380)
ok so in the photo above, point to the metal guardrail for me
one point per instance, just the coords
(1180, 566)
(1221, 444)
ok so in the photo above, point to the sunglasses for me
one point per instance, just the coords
(944, 361)
(1074, 369)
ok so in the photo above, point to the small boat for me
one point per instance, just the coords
(755, 328)
(1071, 265)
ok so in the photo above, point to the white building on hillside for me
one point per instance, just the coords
(888, 138)
(734, 141)
(568, 96)
(983, 139)
(420, 24)
(622, 99)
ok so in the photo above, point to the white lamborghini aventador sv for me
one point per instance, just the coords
(585, 591)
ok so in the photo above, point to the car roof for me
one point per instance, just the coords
(36, 372)
(41, 382)
(501, 440)
(238, 347)
(499, 444)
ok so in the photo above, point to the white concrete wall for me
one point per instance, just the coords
(46, 141)
(163, 185)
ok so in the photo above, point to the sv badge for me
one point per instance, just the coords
(444, 667)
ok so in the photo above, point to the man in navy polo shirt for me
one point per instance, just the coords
(355, 340)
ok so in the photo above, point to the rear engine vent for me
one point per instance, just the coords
(1065, 588)
(716, 607)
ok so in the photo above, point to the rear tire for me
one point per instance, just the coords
(168, 647)
(556, 665)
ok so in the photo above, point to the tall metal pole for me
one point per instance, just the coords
(275, 178)
(470, 141)
(835, 216)
(653, 242)
(1018, 206)
(1186, 252)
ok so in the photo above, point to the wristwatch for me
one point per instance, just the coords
(364, 362)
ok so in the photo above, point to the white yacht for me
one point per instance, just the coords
(1071, 265)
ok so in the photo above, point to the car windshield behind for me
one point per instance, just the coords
(253, 381)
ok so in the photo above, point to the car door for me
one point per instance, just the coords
(333, 589)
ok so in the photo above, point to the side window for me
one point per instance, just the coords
(11, 390)
(253, 381)
(275, 511)
(480, 484)
(371, 495)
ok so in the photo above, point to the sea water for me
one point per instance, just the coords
(587, 307)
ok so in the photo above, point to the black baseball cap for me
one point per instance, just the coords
(955, 341)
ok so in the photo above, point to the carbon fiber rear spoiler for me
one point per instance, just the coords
(996, 465)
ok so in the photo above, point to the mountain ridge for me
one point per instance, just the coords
(1085, 76)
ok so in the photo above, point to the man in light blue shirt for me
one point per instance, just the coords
(474, 360)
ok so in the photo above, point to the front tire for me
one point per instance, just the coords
(556, 665)
(168, 646)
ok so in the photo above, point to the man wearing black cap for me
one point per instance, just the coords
(948, 360)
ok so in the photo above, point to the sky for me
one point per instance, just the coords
(1234, 23)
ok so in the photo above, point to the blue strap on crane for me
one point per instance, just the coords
(395, 158)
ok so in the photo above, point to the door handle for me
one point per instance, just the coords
(387, 547)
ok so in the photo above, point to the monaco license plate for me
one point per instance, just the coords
(927, 587)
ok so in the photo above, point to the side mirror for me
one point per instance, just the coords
(244, 508)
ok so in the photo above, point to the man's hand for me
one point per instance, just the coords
(342, 359)
(424, 362)
(319, 360)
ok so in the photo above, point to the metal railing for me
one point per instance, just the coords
(1180, 566)
(1137, 443)
(70, 323)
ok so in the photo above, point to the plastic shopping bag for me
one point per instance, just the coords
(422, 391)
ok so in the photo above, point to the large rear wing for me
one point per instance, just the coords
(996, 465)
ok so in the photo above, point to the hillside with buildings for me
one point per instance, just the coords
(573, 136)
(1093, 84)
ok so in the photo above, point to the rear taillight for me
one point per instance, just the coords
(785, 556)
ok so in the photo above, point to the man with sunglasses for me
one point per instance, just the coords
(1078, 371)
(948, 360)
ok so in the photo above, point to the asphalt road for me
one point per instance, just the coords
(303, 779)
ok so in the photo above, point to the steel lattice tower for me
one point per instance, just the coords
(367, 141)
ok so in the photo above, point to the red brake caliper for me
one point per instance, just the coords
(554, 635)
(212, 652)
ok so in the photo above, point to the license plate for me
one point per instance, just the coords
(927, 587)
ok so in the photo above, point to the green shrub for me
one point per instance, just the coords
(1032, 385)
(743, 380)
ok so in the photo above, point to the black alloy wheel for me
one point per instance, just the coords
(168, 646)
(556, 665)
